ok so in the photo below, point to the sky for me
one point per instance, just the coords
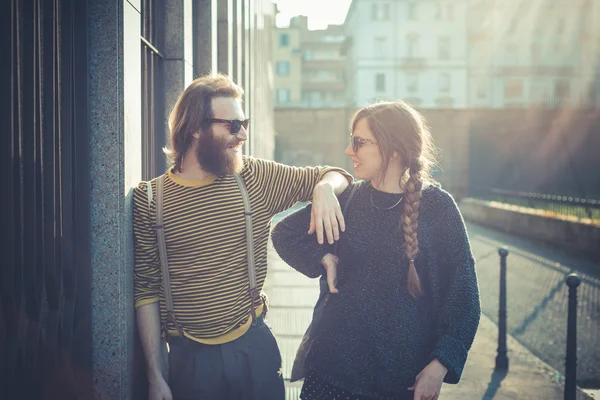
(320, 13)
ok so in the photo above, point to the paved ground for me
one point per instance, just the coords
(537, 305)
(538, 297)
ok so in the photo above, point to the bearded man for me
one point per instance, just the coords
(220, 347)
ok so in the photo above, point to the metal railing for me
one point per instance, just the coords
(553, 203)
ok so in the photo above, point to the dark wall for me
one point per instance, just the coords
(45, 328)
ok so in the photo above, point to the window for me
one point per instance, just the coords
(313, 96)
(444, 48)
(512, 53)
(386, 12)
(375, 12)
(412, 46)
(380, 47)
(412, 83)
(512, 28)
(153, 88)
(380, 12)
(536, 53)
(412, 11)
(562, 90)
(284, 40)
(513, 89)
(481, 89)
(444, 82)
(282, 96)
(308, 55)
(560, 28)
(380, 82)
(283, 68)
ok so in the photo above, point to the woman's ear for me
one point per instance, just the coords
(196, 135)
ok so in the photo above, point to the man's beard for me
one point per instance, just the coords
(213, 157)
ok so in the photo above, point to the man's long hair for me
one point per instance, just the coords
(191, 111)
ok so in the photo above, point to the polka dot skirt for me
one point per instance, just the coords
(316, 389)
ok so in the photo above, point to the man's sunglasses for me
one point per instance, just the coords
(234, 124)
(358, 142)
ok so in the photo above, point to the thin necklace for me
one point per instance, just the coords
(384, 208)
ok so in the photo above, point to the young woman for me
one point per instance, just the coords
(405, 303)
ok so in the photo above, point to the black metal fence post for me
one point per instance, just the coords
(573, 282)
(501, 357)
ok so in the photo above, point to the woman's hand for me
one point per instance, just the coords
(330, 262)
(428, 383)
(326, 214)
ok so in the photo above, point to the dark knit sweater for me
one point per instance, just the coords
(375, 338)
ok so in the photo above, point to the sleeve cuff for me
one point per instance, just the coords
(325, 170)
(453, 355)
(143, 302)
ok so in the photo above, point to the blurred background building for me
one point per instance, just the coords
(309, 65)
(447, 54)
(487, 74)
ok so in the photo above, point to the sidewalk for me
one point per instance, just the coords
(292, 297)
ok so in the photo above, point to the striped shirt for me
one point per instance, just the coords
(206, 248)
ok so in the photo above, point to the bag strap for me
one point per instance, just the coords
(162, 251)
(253, 289)
(352, 191)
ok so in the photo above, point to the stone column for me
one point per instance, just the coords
(115, 166)
(205, 36)
(178, 50)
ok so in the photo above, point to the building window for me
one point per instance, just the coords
(284, 40)
(153, 89)
(512, 53)
(513, 89)
(380, 82)
(412, 45)
(444, 48)
(313, 97)
(308, 55)
(412, 11)
(481, 89)
(562, 90)
(282, 96)
(536, 53)
(386, 12)
(380, 47)
(283, 68)
(380, 12)
(444, 82)
(375, 12)
(412, 83)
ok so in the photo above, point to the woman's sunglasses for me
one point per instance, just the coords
(234, 124)
(358, 142)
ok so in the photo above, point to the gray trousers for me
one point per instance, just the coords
(249, 368)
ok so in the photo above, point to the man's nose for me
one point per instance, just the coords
(242, 134)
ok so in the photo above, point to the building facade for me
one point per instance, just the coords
(309, 66)
(89, 87)
(474, 53)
